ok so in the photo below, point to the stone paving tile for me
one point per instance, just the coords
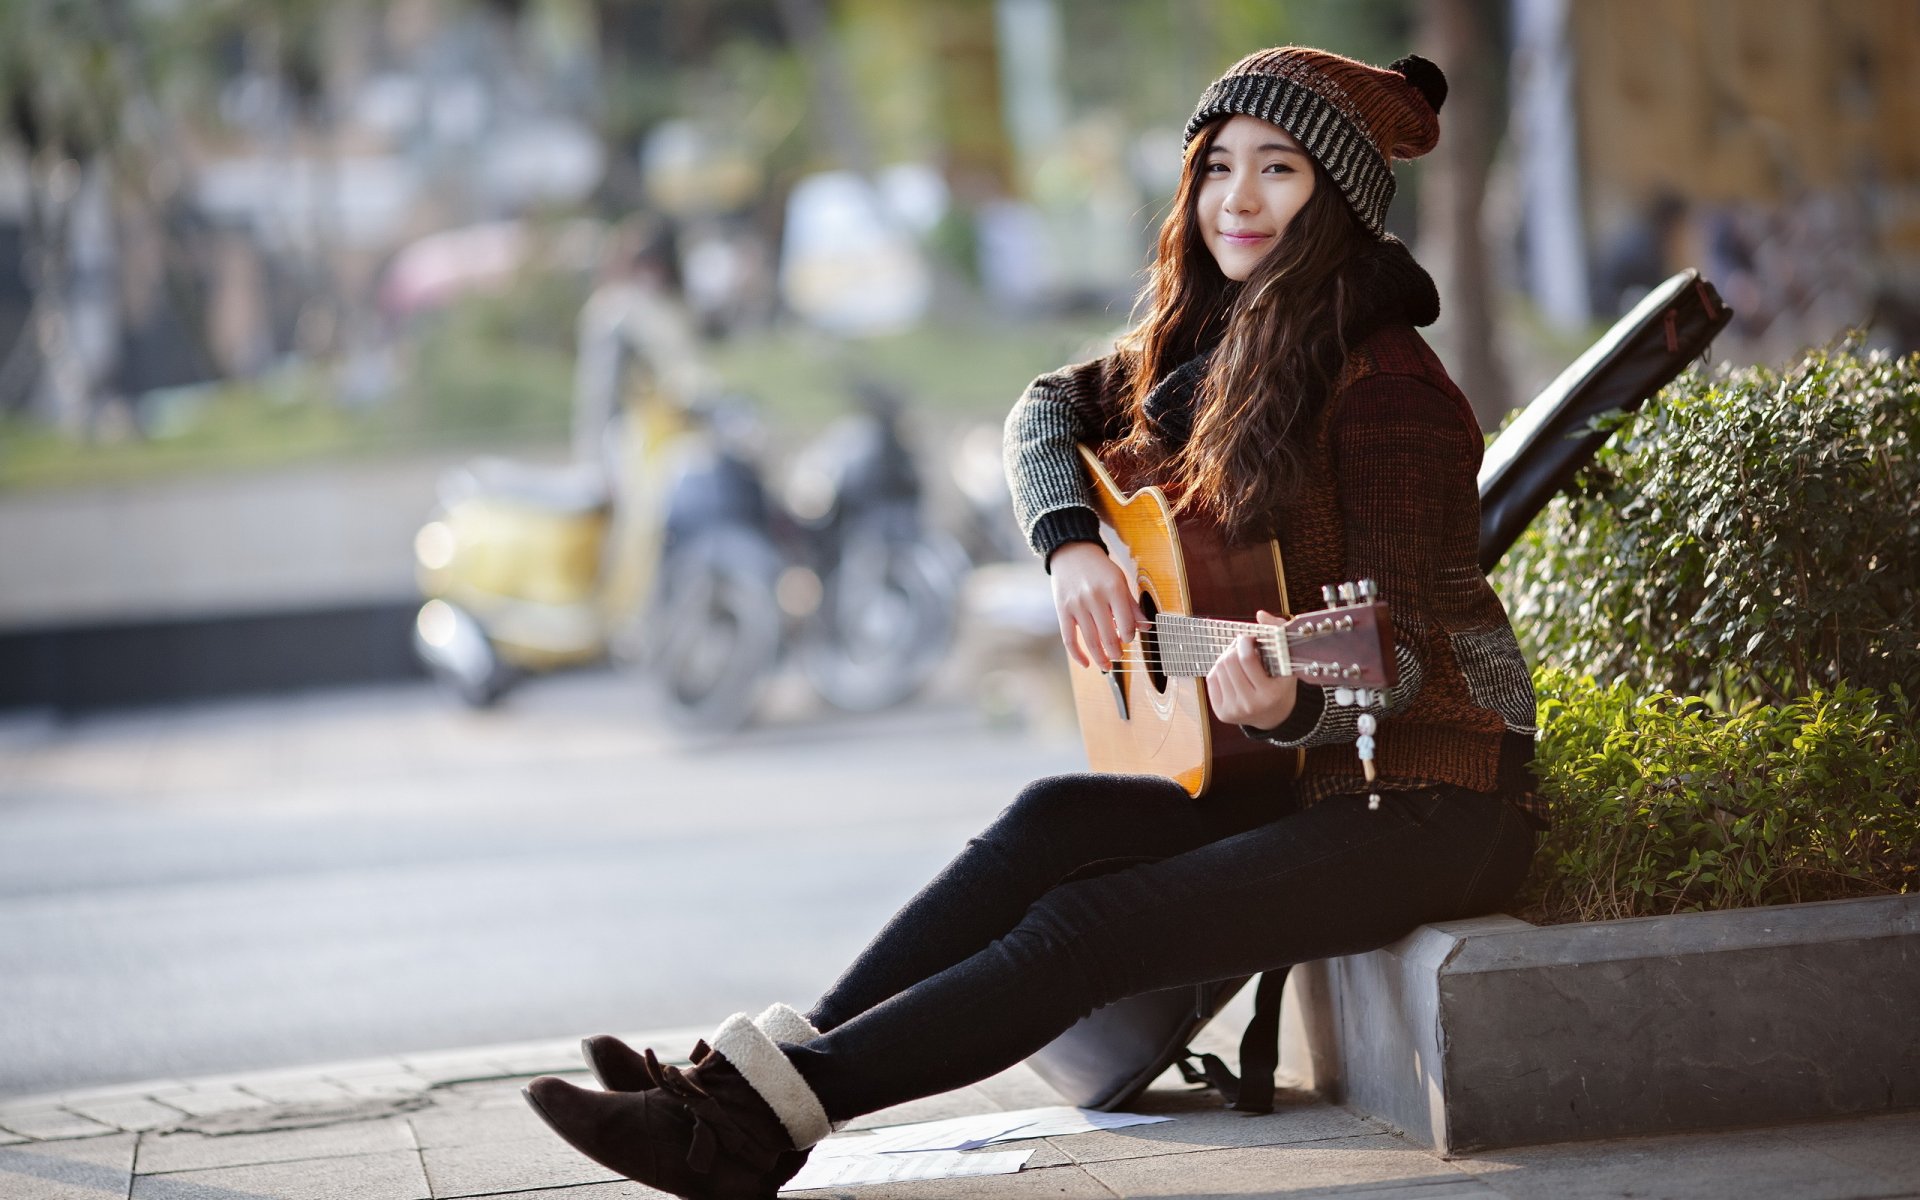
(1887, 1145)
(133, 1114)
(1046, 1153)
(438, 1128)
(394, 1176)
(1220, 1129)
(339, 1072)
(1727, 1166)
(454, 1066)
(495, 1093)
(84, 1169)
(165, 1153)
(206, 1100)
(295, 1089)
(11, 1139)
(1277, 1170)
(390, 1083)
(475, 1097)
(551, 1058)
(520, 1165)
(114, 1091)
(50, 1124)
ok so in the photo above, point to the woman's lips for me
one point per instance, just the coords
(1245, 239)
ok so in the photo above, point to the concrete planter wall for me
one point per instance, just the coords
(1492, 1032)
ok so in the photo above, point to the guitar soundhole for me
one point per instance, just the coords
(1150, 645)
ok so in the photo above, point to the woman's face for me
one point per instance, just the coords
(1254, 178)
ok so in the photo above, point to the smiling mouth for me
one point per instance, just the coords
(1245, 237)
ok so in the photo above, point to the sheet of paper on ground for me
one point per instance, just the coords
(932, 1149)
(850, 1170)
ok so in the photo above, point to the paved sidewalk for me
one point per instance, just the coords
(453, 1124)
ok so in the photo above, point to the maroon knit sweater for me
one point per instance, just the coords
(1391, 495)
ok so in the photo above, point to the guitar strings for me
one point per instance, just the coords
(1192, 645)
(1192, 665)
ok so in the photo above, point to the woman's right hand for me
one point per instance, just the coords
(1094, 601)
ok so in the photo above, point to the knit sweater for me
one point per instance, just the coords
(1390, 494)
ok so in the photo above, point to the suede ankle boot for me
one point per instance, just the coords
(620, 1068)
(735, 1127)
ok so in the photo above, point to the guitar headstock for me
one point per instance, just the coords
(1348, 644)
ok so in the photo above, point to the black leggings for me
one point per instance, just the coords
(1091, 888)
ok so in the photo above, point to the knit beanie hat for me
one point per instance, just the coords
(1353, 118)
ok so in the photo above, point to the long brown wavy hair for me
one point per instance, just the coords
(1277, 352)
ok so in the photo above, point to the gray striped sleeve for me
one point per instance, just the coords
(1058, 411)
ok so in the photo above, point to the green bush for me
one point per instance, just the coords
(1742, 566)
(1750, 535)
(1663, 804)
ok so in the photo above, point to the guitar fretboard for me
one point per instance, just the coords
(1189, 646)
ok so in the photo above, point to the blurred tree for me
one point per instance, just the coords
(102, 93)
(839, 128)
(1465, 38)
(79, 87)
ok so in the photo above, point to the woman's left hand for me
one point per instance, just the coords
(1240, 690)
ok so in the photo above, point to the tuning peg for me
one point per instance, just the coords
(1346, 593)
(1326, 594)
(1369, 590)
(1343, 696)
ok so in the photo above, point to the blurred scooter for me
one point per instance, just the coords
(661, 545)
(651, 547)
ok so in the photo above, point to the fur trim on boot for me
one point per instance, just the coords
(618, 1067)
(783, 1024)
(760, 1062)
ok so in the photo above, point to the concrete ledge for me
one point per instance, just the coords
(1492, 1032)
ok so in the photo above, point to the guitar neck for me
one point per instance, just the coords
(1189, 646)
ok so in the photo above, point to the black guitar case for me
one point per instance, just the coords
(1110, 1057)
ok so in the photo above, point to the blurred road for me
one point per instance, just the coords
(367, 872)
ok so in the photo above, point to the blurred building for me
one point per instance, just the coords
(1773, 143)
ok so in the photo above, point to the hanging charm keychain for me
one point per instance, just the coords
(1364, 746)
(1348, 593)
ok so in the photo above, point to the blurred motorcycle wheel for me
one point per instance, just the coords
(885, 621)
(718, 640)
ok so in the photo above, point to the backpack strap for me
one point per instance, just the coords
(1252, 1090)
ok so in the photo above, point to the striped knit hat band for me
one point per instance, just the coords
(1354, 119)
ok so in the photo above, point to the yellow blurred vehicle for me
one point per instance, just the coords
(529, 568)
(659, 545)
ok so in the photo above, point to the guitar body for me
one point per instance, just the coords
(1136, 720)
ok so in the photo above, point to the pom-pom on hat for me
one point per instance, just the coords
(1354, 119)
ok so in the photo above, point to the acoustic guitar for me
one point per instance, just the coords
(1147, 713)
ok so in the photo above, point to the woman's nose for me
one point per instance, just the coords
(1241, 196)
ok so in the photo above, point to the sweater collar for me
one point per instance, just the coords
(1387, 287)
